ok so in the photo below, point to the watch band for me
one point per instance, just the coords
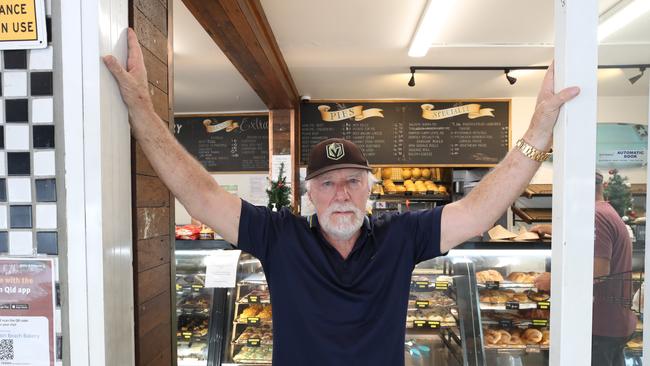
(531, 152)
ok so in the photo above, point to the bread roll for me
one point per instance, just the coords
(532, 336)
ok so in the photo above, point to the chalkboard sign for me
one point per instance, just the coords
(226, 143)
(430, 133)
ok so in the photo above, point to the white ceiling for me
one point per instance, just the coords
(342, 49)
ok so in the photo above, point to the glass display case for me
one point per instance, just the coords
(199, 310)
(510, 316)
(476, 306)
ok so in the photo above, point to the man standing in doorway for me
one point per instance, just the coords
(613, 321)
(339, 282)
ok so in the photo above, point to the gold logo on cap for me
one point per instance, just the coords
(335, 151)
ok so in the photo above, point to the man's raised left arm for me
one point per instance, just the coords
(482, 207)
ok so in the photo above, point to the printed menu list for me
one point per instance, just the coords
(226, 143)
(443, 133)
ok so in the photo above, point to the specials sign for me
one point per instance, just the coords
(226, 143)
(22, 24)
(27, 301)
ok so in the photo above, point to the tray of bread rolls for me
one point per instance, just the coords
(492, 278)
(253, 314)
(530, 338)
(256, 335)
(635, 343)
(511, 299)
(431, 318)
(261, 354)
(255, 297)
(425, 300)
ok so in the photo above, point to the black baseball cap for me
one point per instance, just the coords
(335, 153)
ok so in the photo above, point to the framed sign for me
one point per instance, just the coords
(226, 142)
(427, 133)
(27, 302)
(22, 24)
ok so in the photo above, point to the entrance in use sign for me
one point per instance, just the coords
(27, 312)
(22, 24)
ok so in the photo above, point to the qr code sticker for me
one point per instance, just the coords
(6, 349)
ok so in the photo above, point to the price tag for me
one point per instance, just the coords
(253, 342)
(422, 284)
(380, 204)
(178, 287)
(253, 299)
(253, 320)
(433, 324)
(197, 288)
(422, 304)
(187, 335)
(512, 305)
(506, 324)
(540, 322)
(544, 305)
(532, 348)
(492, 285)
(441, 285)
(419, 323)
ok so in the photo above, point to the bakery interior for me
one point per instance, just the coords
(476, 306)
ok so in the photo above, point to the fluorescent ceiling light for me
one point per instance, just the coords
(620, 16)
(432, 20)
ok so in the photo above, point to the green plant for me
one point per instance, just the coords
(617, 192)
(279, 191)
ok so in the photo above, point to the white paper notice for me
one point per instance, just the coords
(24, 340)
(276, 162)
(221, 268)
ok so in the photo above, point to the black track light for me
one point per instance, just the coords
(511, 79)
(412, 81)
(635, 78)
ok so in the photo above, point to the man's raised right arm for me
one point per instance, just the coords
(182, 174)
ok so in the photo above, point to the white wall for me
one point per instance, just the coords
(250, 187)
(610, 109)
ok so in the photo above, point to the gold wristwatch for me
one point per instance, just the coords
(531, 152)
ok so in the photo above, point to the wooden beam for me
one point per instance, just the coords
(241, 30)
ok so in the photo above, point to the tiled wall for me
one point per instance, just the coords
(28, 199)
(28, 219)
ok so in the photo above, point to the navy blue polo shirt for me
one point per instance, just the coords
(329, 311)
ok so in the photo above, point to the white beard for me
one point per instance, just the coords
(342, 229)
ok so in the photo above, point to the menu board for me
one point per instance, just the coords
(226, 143)
(441, 133)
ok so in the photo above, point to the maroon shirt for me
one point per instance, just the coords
(611, 318)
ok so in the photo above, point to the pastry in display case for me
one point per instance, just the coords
(251, 334)
(198, 308)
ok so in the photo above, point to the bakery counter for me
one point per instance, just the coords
(505, 245)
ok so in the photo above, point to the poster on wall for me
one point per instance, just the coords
(430, 133)
(621, 145)
(22, 24)
(27, 303)
(226, 143)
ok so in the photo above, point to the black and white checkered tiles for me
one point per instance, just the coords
(28, 202)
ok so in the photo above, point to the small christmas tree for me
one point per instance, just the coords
(279, 191)
(617, 192)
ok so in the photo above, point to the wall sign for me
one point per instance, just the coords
(621, 145)
(430, 133)
(27, 312)
(226, 143)
(22, 24)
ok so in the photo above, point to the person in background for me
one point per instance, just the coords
(339, 281)
(613, 322)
